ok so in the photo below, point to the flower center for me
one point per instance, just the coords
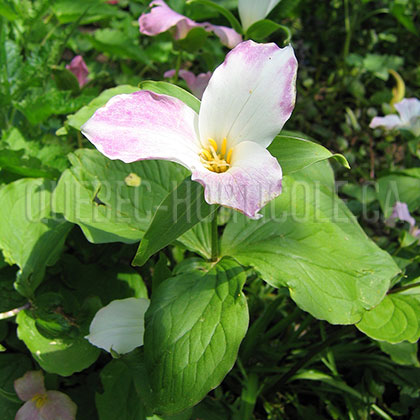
(39, 400)
(213, 161)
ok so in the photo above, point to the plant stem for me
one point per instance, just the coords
(214, 238)
(347, 25)
(177, 66)
(402, 288)
(13, 312)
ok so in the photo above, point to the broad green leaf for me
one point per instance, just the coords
(398, 187)
(68, 11)
(223, 11)
(169, 89)
(296, 153)
(16, 162)
(402, 353)
(183, 208)
(80, 117)
(198, 238)
(194, 326)
(7, 10)
(311, 243)
(30, 236)
(395, 319)
(61, 356)
(119, 44)
(119, 399)
(264, 28)
(96, 194)
(119, 326)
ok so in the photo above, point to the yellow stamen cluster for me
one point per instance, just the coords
(213, 161)
(40, 400)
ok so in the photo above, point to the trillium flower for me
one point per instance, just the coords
(246, 103)
(41, 404)
(400, 212)
(251, 11)
(197, 84)
(78, 67)
(161, 18)
(408, 118)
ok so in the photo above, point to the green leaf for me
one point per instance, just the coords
(198, 238)
(119, 44)
(399, 11)
(395, 319)
(398, 187)
(68, 11)
(194, 40)
(29, 235)
(61, 356)
(296, 153)
(264, 28)
(94, 193)
(183, 208)
(16, 162)
(223, 11)
(80, 117)
(402, 353)
(169, 89)
(65, 79)
(194, 326)
(310, 242)
(119, 399)
(7, 10)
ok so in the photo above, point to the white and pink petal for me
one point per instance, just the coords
(250, 96)
(251, 11)
(29, 385)
(254, 179)
(389, 122)
(145, 125)
(162, 18)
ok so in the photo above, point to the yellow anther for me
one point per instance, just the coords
(207, 154)
(213, 161)
(224, 145)
(213, 144)
(229, 156)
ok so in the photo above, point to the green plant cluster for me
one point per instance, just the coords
(312, 311)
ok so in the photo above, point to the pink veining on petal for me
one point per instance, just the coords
(254, 179)
(287, 101)
(144, 125)
(29, 385)
(78, 67)
(197, 84)
(161, 18)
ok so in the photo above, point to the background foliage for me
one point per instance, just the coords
(70, 259)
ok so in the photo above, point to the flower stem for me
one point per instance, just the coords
(177, 66)
(13, 312)
(214, 238)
